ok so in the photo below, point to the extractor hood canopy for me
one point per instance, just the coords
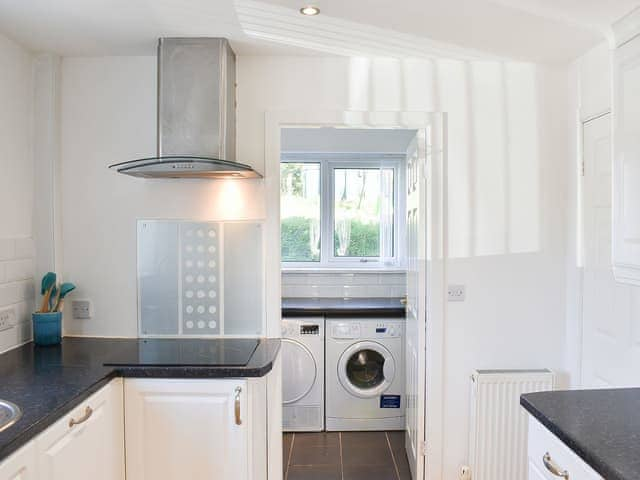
(196, 113)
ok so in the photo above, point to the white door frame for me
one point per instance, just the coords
(275, 120)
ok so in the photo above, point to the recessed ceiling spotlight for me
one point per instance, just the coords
(310, 10)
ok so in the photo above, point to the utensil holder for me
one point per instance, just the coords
(47, 328)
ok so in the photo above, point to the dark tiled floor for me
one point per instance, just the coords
(345, 456)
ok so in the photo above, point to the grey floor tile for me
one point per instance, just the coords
(366, 455)
(369, 472)
(287, 440)
(315, 472)
(405, 475)
(403, 465)
(366, 448)
(317, 439)
(320, 455)
(359, 438)
(396, 439)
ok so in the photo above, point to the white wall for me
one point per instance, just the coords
(16, 190)
(507, 141)
(108, 115)
(342, 140)
(507, 129)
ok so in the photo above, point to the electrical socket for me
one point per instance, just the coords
(7, 318)
(81, 309)
(457, 293)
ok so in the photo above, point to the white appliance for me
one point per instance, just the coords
(303, 374)
(365, 374)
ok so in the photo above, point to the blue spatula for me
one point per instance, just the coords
(63, 291)
(48, 283)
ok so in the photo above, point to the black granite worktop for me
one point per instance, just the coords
(48, 382)
(600, 426)
(376, 307)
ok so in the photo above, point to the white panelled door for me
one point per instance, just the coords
(611, 310)
(425, 285)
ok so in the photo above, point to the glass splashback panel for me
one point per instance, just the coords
(200, 278)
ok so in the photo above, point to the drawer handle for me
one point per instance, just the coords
(237, 405)
(87, 415)
(553, 467)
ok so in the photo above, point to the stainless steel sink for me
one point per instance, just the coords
(10, 413)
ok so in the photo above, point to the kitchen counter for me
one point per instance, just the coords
(600, 426)
(378, 307)
(48, 382)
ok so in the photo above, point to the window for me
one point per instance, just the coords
(300, 212)
(340, 213)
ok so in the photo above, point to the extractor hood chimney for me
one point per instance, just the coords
(196, 113)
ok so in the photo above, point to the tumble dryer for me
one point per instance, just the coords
(303, 374)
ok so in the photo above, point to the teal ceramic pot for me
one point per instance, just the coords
(47, 328)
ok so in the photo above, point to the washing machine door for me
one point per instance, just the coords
(299, 371)
(366, 369)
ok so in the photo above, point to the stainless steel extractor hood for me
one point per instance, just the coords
(196, 113)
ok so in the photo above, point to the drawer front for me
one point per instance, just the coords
(559, 457)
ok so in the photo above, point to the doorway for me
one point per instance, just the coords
(404, 237)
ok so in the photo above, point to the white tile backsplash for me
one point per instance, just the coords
(343, 285)
(24, 248)
(7, 248)
(17, 289)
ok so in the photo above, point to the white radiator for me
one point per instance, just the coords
(498, 424)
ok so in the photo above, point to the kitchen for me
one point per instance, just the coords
(80, 94)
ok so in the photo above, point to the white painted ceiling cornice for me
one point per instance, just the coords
(335, 36)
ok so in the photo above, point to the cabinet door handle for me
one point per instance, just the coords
(553, 467)
(87, 415)
(237, 405)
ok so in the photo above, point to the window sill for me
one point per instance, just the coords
(344, 269)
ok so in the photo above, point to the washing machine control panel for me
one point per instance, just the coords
(383, 329)
(368, 329)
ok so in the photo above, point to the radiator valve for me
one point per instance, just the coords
(465, 472)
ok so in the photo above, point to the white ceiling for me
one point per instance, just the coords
(535, 30)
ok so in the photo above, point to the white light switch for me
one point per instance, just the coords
(456, 293)
(81, 309)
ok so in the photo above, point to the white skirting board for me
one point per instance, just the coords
(498, 425)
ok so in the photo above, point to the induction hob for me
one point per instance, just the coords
(222, 352)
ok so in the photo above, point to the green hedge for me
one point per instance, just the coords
(294, 240)
(364, 241)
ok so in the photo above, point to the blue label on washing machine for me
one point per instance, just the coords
(389, 401)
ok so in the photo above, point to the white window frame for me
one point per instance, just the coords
(328, 163)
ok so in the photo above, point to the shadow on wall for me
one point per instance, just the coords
(494, 160)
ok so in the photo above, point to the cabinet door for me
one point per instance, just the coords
(535, 473)
(626, 164)
(20, 465)
(191, 429)
(86, 444)
(543, 443)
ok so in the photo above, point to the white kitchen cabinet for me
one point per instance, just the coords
(87, 443)
(547, 453)
(21, 465)
(626, 160)
(195, 429)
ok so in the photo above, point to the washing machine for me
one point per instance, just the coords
(303, 374)
(365, 374)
